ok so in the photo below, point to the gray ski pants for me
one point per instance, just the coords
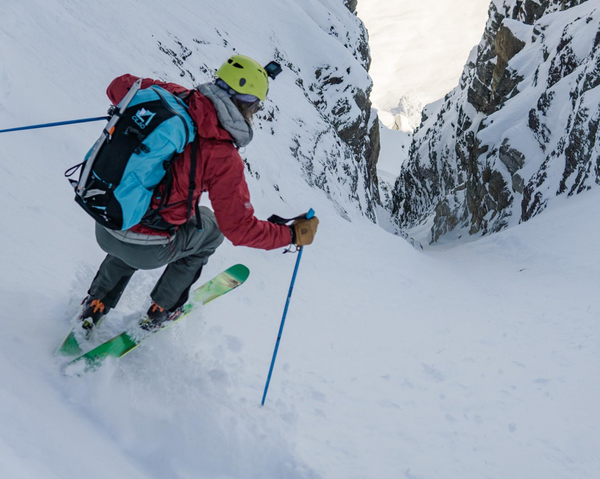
(185, 256)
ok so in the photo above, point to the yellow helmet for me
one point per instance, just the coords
(245, 76)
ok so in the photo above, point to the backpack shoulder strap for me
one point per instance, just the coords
(184, 95)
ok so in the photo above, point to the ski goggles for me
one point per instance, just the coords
(247, 104)
(245, 98)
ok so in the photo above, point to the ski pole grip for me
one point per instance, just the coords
(278, 220)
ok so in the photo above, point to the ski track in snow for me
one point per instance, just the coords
(473, 361)
(478, 360)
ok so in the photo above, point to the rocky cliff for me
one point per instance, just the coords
(339, 89)
(520, 129)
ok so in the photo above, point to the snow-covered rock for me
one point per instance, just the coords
(521, 127)
(338, 144)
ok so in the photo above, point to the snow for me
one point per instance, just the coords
(394, 148)
(469, 361)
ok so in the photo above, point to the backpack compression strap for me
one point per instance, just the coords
(153, 219)
(192, 185)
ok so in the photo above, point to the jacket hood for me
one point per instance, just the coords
(217, 117)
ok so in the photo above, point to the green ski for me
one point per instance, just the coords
(71, 345)
(127, 341)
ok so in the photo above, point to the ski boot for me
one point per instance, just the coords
(156, 317)
(92, 313)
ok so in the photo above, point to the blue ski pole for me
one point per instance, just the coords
(309, 215)
(59, 123)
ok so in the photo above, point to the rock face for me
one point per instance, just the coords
(340, 92)
(521, 127)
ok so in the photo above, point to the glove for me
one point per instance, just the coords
(304, 231)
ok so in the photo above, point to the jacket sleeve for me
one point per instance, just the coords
(119, 87)
(228, 193)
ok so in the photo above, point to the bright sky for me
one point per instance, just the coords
(419, 47)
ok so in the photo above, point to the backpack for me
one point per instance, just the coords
(145, 133)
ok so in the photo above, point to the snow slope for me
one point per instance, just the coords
(395, 145)
(467, 362)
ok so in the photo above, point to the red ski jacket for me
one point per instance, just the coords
(219, 171)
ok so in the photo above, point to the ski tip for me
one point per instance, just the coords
(70, 346)
(238, 272)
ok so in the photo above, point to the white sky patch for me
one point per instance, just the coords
(419, 47)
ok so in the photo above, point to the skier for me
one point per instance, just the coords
(222, 112)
